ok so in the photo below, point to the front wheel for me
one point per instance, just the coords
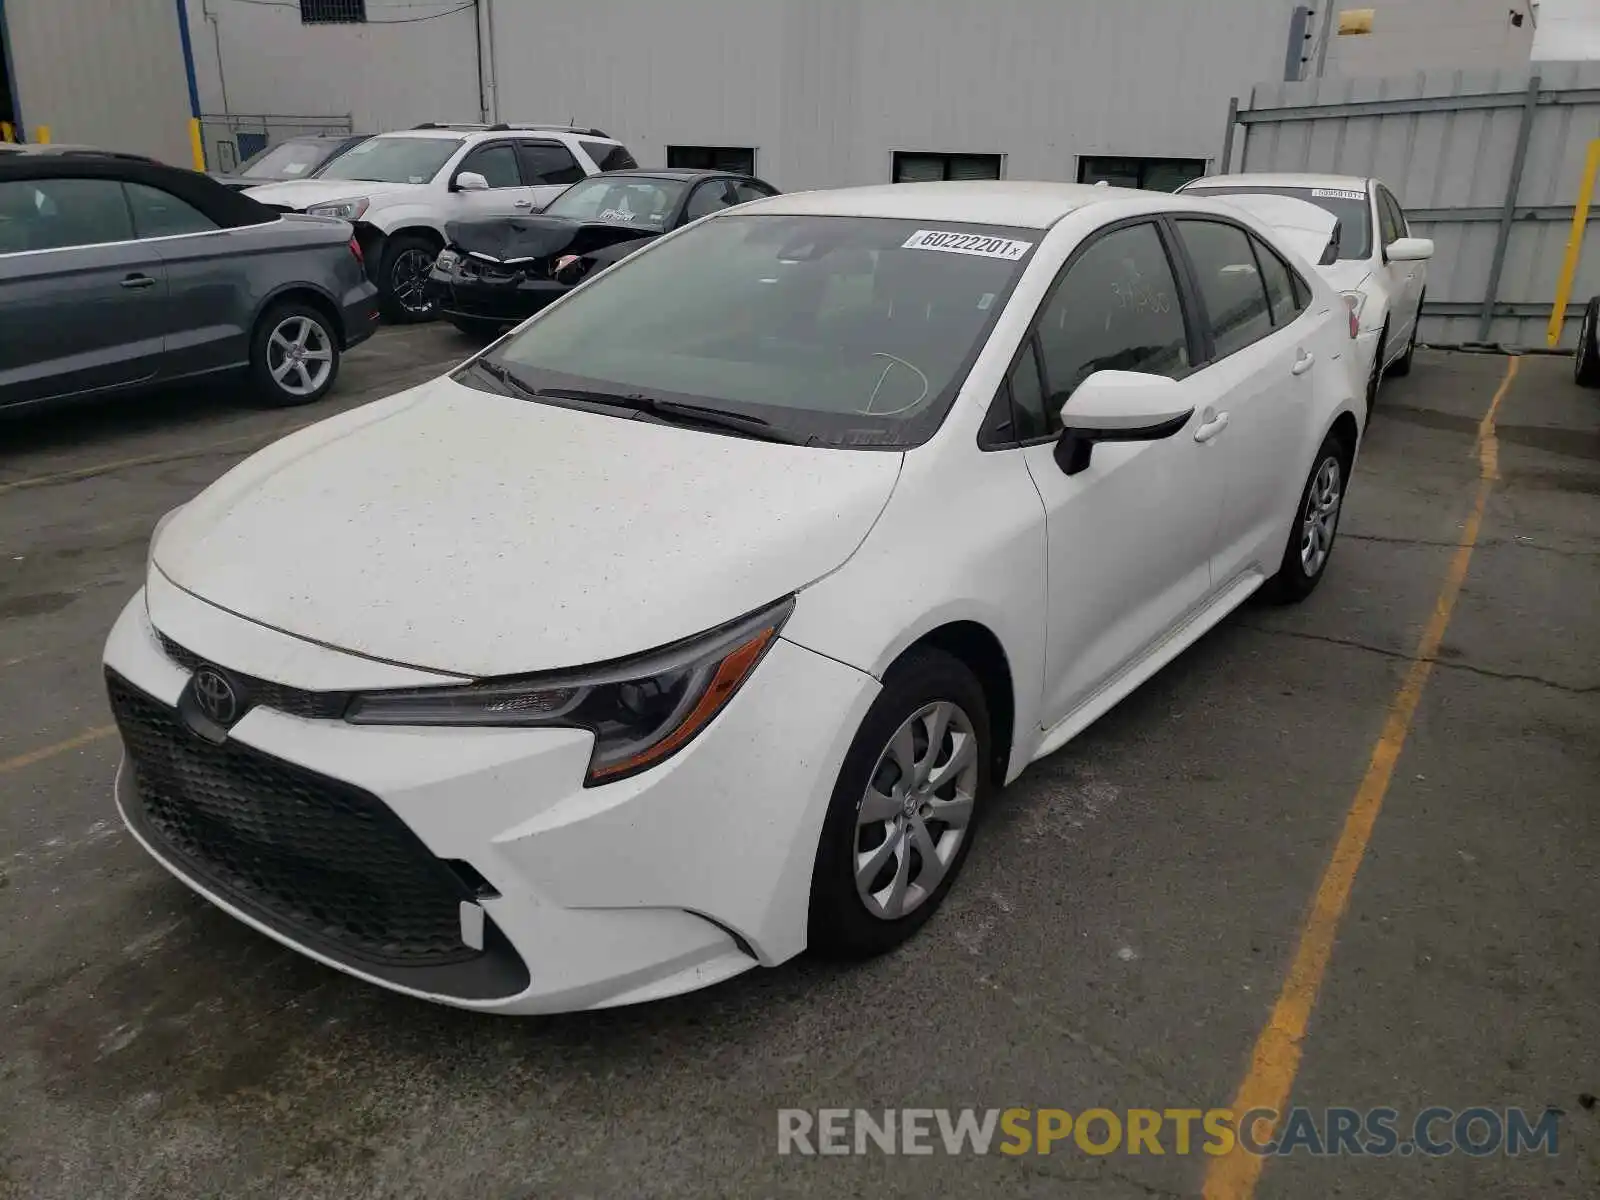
(294, 355)
(403, 279)
(904, 809)
(1316, 523)
(1586, 363)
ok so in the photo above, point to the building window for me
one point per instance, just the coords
(333, 12)
(923, 168)
(737, 160)
(1150, 174)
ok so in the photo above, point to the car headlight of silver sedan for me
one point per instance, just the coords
(348, 210)
(641, 710)
(447, 260)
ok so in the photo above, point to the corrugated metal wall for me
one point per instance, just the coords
(1447, 144)
(103, 72)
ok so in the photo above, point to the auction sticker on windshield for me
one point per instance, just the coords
(1338, 194)
(966, 243)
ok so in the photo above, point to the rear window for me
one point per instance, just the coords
(851, 331)
(1350, 206)
(608, 156)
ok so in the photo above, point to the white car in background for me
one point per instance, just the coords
(696, 622)
(1381, 270)
(401, 189)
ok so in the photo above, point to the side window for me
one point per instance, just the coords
(744, 192)
(496, 163)
(1116, 309)
(1393, 221)
(161, 214)
(608, 157)
(1230, 285)
(708, 198)
(1281, 292)
(1030, 414)
(548, 162)
(53, 214)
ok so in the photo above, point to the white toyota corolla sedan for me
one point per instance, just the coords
(696, 621)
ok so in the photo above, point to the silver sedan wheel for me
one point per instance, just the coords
(916, 810)
(299, 355)
(1320, 521)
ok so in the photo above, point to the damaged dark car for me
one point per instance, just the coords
(498, 271)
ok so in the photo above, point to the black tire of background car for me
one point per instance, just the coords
(1291, 584)
(1586, 362)
(393, 249)
(1402, 365)
(1375, 376)
(839, 924)
(266, 388)
(477, 328)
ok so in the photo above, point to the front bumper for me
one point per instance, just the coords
(668, 881)
(513, 299)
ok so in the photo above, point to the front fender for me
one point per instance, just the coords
(389, 219)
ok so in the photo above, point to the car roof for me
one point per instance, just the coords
(216, 200)
(680, 173)
(1287, 180)
(1017, 203)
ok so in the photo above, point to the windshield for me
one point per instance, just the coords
(1350, 206)
(286, 158)
(851, 331)
(631, 201)
(393, 160)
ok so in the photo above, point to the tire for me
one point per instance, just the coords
(478, 328)
(283, 378)
(405, 263)
(1586, 362)
(923, 686)
(1375, 376)
(1301, 569)
(1402, 365)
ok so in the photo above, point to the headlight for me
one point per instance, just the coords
(349, 210)
(446, 260)
(640, 710)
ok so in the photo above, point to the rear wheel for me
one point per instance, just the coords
(904, 809)
(1316, 523)
(403, 278)
(1586, 363)
(294, 355)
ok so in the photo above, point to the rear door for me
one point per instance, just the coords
(548, 168)
(205, 315)
(80, 298)
(1259, 370)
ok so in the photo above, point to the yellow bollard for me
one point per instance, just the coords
(1569, 265)
(41, 135)
(196, 145)
(7, 134)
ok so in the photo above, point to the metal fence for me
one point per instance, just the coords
(230, 139)
(1489, 164)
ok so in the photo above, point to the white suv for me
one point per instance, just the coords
(401, 189)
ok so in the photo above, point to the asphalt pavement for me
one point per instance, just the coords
(1120, 938)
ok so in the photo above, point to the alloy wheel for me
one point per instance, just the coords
(299, 355)
(1320, 521)
(916, 810)
(408, 279)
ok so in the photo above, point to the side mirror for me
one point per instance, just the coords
(470, 181)
(1118, 406)
(1410, 249)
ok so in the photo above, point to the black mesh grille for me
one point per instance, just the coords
(328, 706)
(326, 863)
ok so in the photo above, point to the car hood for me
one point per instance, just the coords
(476, 534)
(525, 239)
(303, 193)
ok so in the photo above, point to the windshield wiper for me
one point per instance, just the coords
(502, 376)
(676, 411)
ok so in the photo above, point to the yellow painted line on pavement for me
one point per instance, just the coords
(1276, 1058)
(121, 463)
(87, 737)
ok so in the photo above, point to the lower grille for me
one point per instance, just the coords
(323, 862)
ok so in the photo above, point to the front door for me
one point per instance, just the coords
(81, 300)
(1130, 538)
(507, 194)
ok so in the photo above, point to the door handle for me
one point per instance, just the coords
(522, 204)
(1304, 362)
(1212, 424)
(138, 281)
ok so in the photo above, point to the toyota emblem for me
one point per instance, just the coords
(215, 695)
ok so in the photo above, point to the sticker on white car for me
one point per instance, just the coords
(1338, 193)
(966, 243)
